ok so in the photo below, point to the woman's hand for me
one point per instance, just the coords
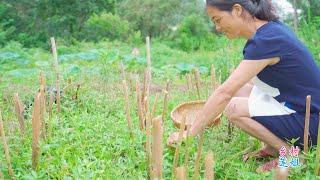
(173, 138)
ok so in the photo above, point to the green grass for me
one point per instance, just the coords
(93, 141)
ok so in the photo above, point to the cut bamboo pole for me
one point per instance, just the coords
(177, 152)
(197, 77)
(186, 159)
(125, 93)
(281, 173)
(209, 173)
(213, 78)
(35, 131)
(130, 82)
(58, 93)
(148, 58)
(317, 162)
(51, 98)
(165, 102)
(157, 148)
(77, 92)
(197, 162)
(55, 54)
(306, 126)
(154, 108)
(148, 143)
(122, 71)
(42, 111)
(192, 84)
(18, 110)
(139, 101)
(145, 84)
(181, 173)
(6, 149)
(188, 83)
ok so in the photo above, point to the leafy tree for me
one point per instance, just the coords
(155, 17)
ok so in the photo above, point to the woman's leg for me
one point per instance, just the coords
(238, 113)
(244, 91)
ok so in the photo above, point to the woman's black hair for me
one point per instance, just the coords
(261, 9)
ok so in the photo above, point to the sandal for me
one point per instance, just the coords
(258, 154)
(267, 167)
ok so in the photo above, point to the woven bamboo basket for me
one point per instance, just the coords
(191, 108)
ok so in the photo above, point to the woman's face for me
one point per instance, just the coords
(228, 23)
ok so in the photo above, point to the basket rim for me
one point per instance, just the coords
(183, 104)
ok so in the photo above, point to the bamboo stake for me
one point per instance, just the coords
(130, 82)
(306, 127)
(140, 114)
(213, 78)
(197, 77)
(154, 108)
(18, 110)
(209, 173)
(50, 113)
(77, 92)
(127, 106)
(186, 160)
(157, 148)
(148, 58)
(317, 162)
(148, 143)
(145, 82)
(6, 149)
(35, 131)
(191, 89)
(58, 93)
(122, 71)
(181, 173)
(188, 84)
(192, 84)
(197, 162)
(42, 110)
(177, 152)
(165, 102)
(55, 54)
(281, 173)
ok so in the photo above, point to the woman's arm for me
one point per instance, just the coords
(217, 102)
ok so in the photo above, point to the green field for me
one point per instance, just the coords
(90, 139)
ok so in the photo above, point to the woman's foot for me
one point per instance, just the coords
(264, 152)
(266, 167)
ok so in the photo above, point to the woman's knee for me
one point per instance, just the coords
(237, 107)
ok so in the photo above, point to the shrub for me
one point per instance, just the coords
(106, 26)
(193, 33)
